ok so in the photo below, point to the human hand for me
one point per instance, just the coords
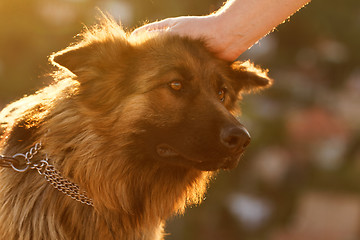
(218, 39)
(234, 28)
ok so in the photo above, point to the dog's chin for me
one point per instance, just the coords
(170, 155)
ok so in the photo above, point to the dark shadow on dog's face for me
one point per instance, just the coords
(174, 95)
(192, 95)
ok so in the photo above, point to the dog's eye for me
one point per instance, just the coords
(221, 95)
(176, 85)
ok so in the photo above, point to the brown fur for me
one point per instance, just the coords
(99, 124)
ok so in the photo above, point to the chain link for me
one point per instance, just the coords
(49, 172)
(62, 184)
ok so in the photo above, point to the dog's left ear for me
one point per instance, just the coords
(249, 78)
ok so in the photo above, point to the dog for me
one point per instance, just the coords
(129, 134)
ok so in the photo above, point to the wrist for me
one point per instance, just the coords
(229, 35)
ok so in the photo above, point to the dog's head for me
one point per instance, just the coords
(168, 97)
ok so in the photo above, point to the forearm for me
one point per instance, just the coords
(233, 28)
(247, 21)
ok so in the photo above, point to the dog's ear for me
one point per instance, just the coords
(75, 58)
(248, 77)
(98, 46)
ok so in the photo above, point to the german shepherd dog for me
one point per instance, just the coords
(132, 127)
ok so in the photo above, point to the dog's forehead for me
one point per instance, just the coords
(167, 57)
(193, 51)
(183, 54)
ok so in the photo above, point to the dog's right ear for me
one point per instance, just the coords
(75, 58)
(98, 46)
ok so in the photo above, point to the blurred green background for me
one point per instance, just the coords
(300, 178)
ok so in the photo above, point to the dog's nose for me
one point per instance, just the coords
(235, 138)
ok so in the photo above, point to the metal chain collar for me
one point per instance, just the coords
(47, 170)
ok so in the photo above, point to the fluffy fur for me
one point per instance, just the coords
(103, 125)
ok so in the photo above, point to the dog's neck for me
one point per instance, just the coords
(153, 201)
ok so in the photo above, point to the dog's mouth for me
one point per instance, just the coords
(170, 154)
(164, 150)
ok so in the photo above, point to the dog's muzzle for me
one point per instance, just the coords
(235, 138)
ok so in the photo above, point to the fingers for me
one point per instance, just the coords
(196, 27)
(163, 25)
